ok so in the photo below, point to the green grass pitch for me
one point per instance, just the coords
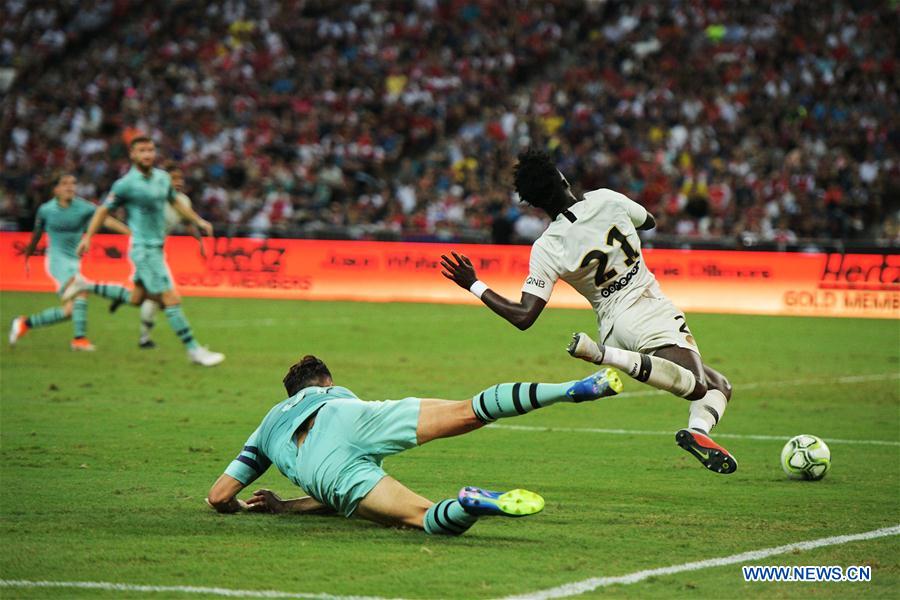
(106, 457)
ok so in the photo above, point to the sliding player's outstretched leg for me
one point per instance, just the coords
(513, 399)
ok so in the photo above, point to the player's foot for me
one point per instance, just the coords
(146, 344)
(514, 503)
(82, 345)
(18, 329)
(713, 456)
(601, 384)
(115, 304)
(584, 347)
(77, 285)
(204, 356)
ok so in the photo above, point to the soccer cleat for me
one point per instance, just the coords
(18, 328)
(77, 285)
(147, 344)
(713, 456)
(514, 503)
(82, 345)
(585, 348)
(204, 356)
(114, 305)
(601, 384)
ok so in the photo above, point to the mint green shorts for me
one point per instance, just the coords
(61, 269)
(150, 268)
(340, 460)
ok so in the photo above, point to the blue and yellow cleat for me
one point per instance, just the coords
(514, 503)
(601, 384)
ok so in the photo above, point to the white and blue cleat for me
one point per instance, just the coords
(601, 384)
(514, 503)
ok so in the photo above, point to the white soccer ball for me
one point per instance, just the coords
(806, 457)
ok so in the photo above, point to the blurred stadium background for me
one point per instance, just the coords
(738, 124)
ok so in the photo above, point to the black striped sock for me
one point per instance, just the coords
(513, 399)
(448, 517)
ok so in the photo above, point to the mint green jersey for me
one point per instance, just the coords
(144, 198)
(272, 442)
(64, 225)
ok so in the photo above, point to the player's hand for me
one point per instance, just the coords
(460, 270)
(265, 501)
(202, 248)
(205, 226)
(83, 246)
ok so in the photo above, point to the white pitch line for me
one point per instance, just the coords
(737, 436)
(587, 585)
(177, 589)
(569, 589)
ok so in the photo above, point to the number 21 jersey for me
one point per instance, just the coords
(594, 247)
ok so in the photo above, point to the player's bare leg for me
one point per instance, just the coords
(681, 372)
(447, 418)
(683, 377)
(704, 412)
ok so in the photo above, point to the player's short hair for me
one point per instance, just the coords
(58, 176)
(538, 182)
(309, 371)
(140, 139)
(171, 165)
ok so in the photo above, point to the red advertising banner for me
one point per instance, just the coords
(839, 285)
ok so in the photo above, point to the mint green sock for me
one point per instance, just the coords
(512, 399)
(46, 317)
(448, 517)
(179, 324)
(79, 317)
(111, 291)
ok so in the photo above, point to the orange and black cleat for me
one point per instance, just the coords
(17, 329)
(713, 456)
(82, 345)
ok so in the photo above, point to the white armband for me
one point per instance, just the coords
(478, 288)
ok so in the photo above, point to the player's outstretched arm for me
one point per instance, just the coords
(522, 314)
(269, 502)
(116, 226)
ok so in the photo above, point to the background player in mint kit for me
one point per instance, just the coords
(144, 191)
(330, 443)
(64, 217)
(593, 245)
(173, 218)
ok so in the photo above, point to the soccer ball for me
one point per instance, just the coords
(806, 457)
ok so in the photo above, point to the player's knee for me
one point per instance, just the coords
(698, 392)
(725, 387)
(170, 299)
(67, 309)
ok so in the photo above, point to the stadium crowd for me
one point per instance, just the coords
(751, 122)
